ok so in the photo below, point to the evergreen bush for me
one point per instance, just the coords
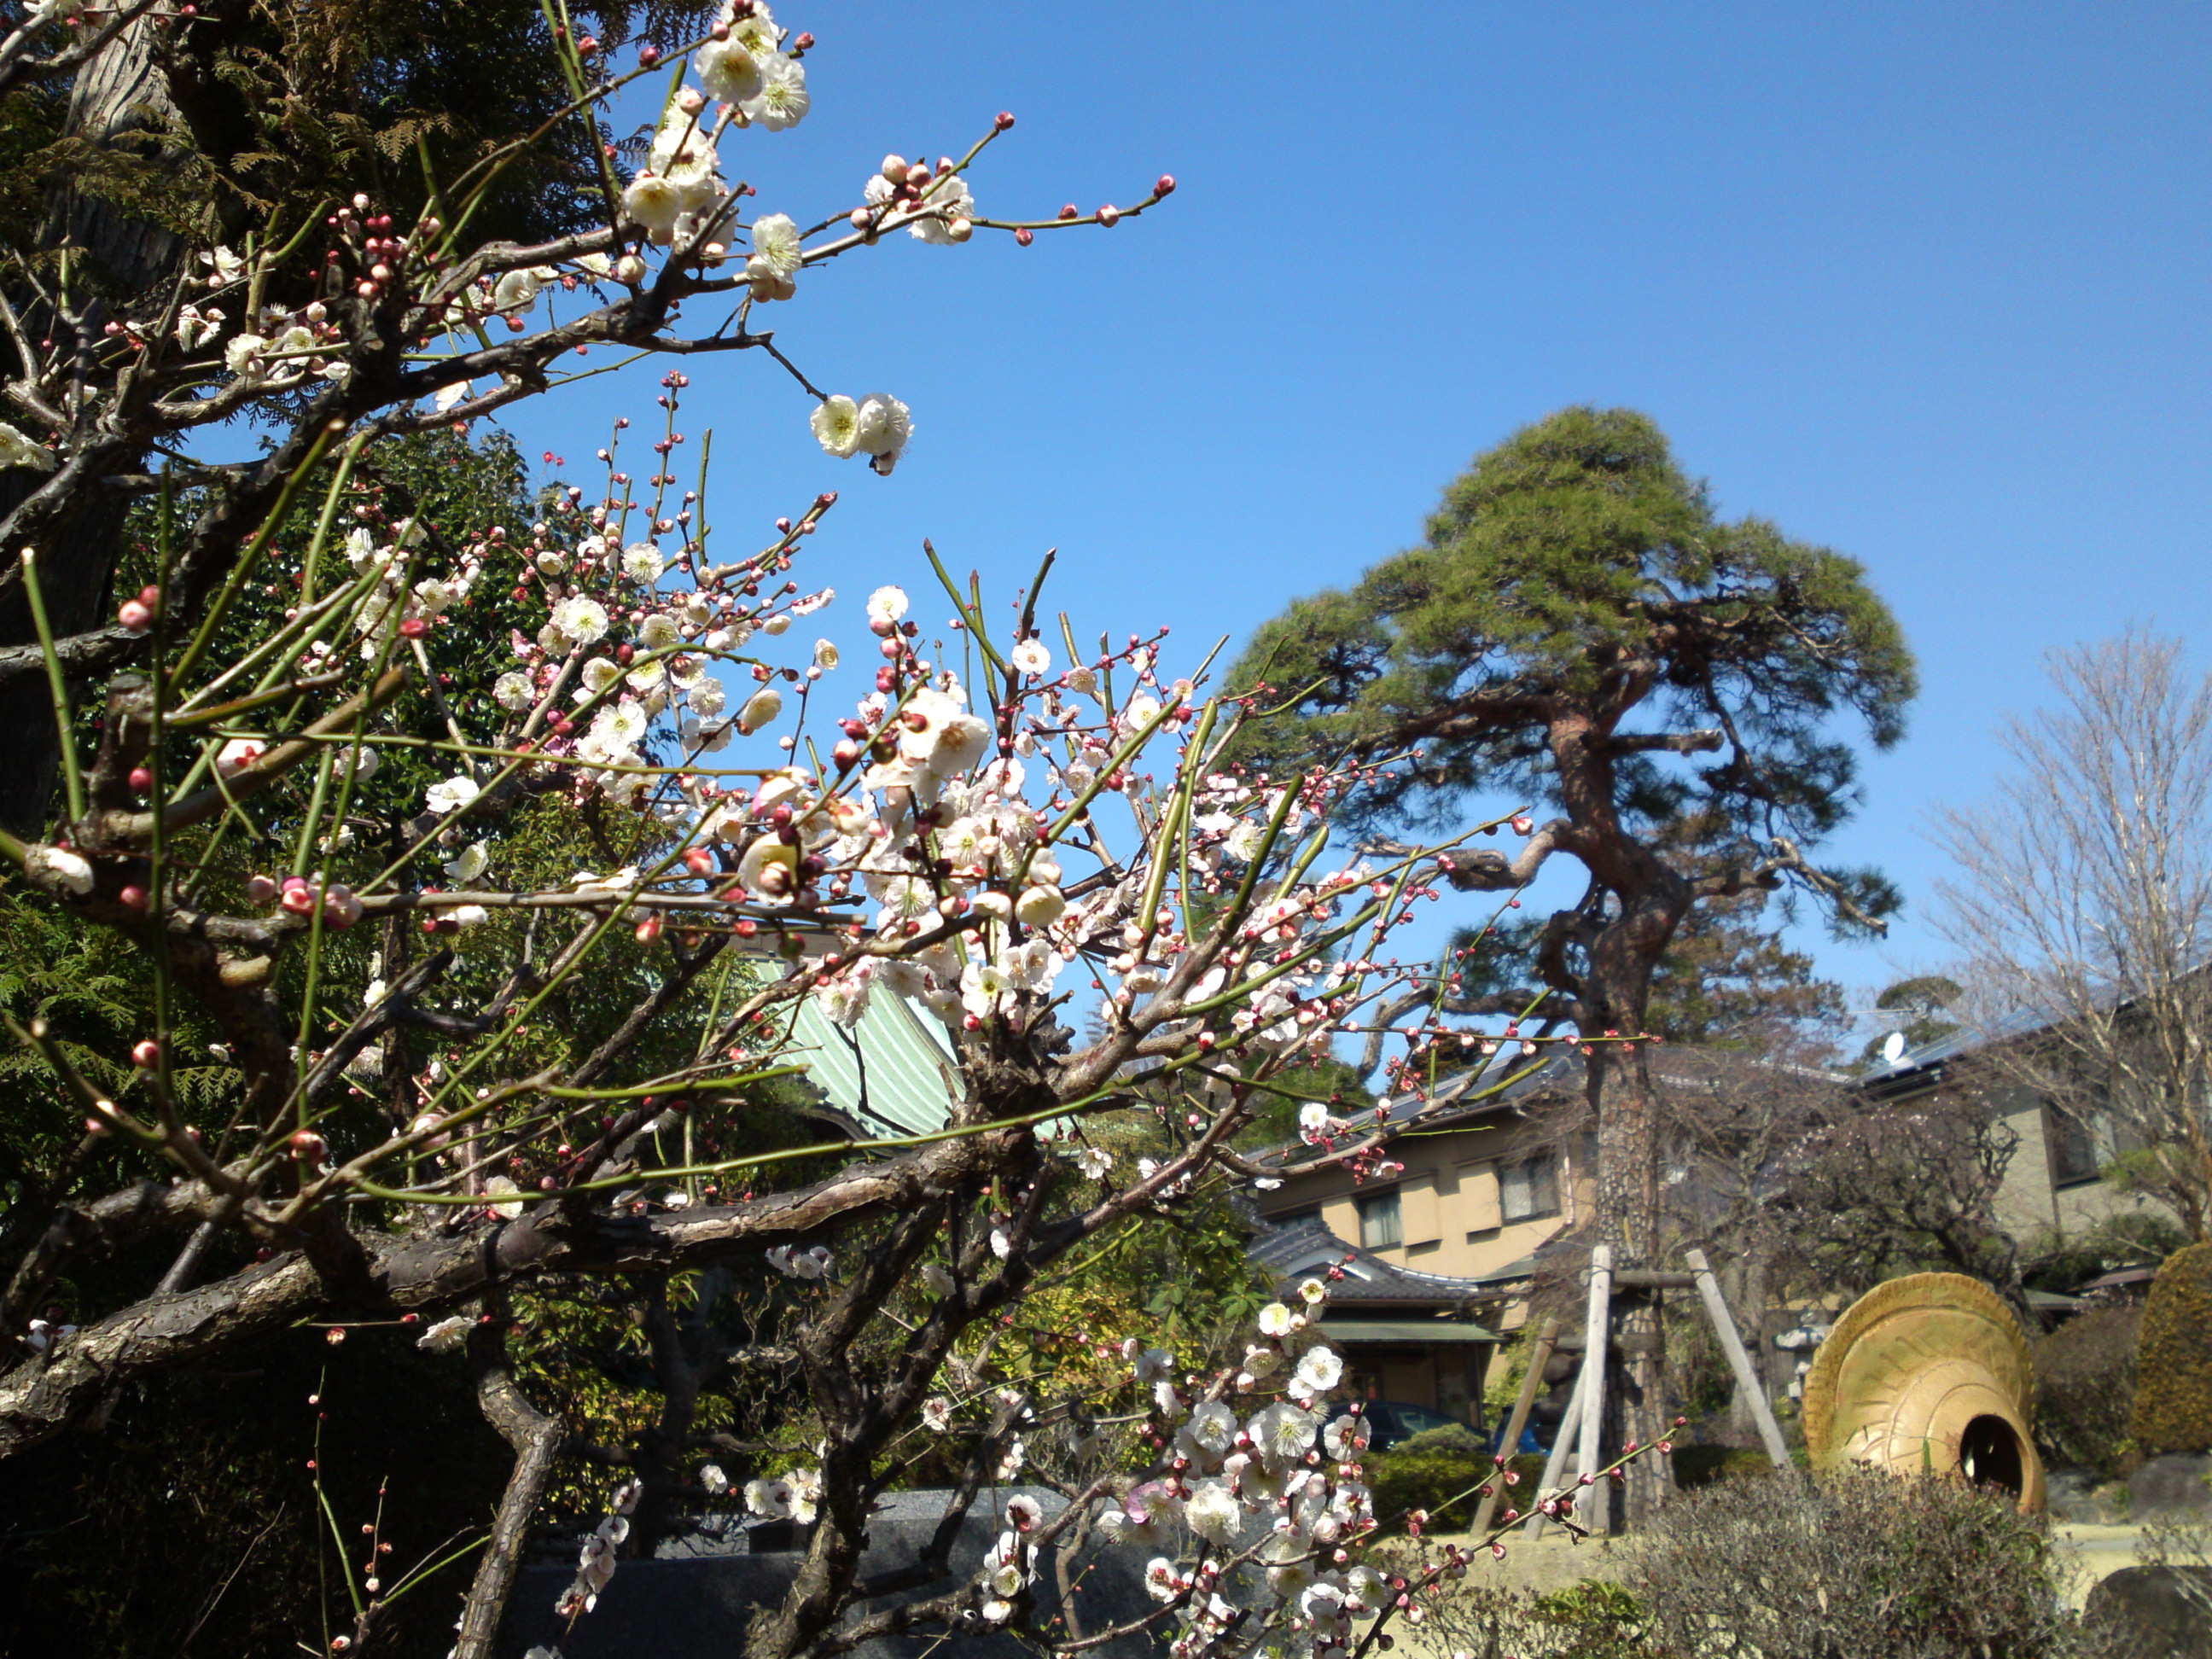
(1442, 1481)
(2174, 1371)
(2085, 1389)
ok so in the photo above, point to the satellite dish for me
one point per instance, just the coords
(1893, 1047)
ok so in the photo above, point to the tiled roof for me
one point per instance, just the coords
(1559, 1073)
(1305, 1248)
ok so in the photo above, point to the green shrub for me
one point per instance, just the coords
(1702, 1466)
(2085, 1388)
(2174, 1371)
(1442, 1482)
(1452, 1440)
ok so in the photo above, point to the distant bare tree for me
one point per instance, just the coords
(2083, 900)
(1877, 1188)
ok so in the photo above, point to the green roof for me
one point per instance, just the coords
(1401, 1330)
(891, 1073)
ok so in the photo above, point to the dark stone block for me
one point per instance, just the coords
(700, 1591)
(2159, 1612)
(2171, 1485)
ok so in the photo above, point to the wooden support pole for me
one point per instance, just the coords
(1596, 1335)
(1652, 1279)
(1732, 1345)
(1562, 1443)
(1546, 1336)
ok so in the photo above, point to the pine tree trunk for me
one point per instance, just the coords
(118, 97)
(1628, 1213)
(1628, 1220)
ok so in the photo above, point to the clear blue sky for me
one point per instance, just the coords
(1927, 283)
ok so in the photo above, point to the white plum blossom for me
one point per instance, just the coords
(727, 72)
(654, 203)
(761, 708)
(1282, 1433)
(452, 795)
(776, 257)
(16, 450)
(1345, 1437)
(470, 862)
(1275, 1320)
(945, 200)
(837, 422)
(782, 100)
(1212, 1512)
(886, 605)
(769, 1499)
(444, 1336)
(1030, 657)
(882, 428)
(513, 692)
(936, 1413)
(584, 620)
(1320, 1370)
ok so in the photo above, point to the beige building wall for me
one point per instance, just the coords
(2034, 1199)
(1450, 1201)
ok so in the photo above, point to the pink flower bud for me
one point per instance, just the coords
(135, 617)
(1006, 120)
(648, 55)
(1024, 236)
(132, 898)
(1165, 187)
(147, 1053)
(1110, 215)
(259, 889)
(142, 780)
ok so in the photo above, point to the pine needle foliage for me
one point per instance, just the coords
(1578, 564)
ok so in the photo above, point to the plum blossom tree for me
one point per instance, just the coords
(320, 824)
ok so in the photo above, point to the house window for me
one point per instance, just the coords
(1530, 1188)
(1380, 1225)
(2072, 1148)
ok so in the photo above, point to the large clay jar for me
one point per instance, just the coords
(1929, 1373)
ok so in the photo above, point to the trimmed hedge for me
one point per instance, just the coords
(1705, 1466)
(1404, 1480)
(2173, 1369)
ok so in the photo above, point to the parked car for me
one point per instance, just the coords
(1390, 1421)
